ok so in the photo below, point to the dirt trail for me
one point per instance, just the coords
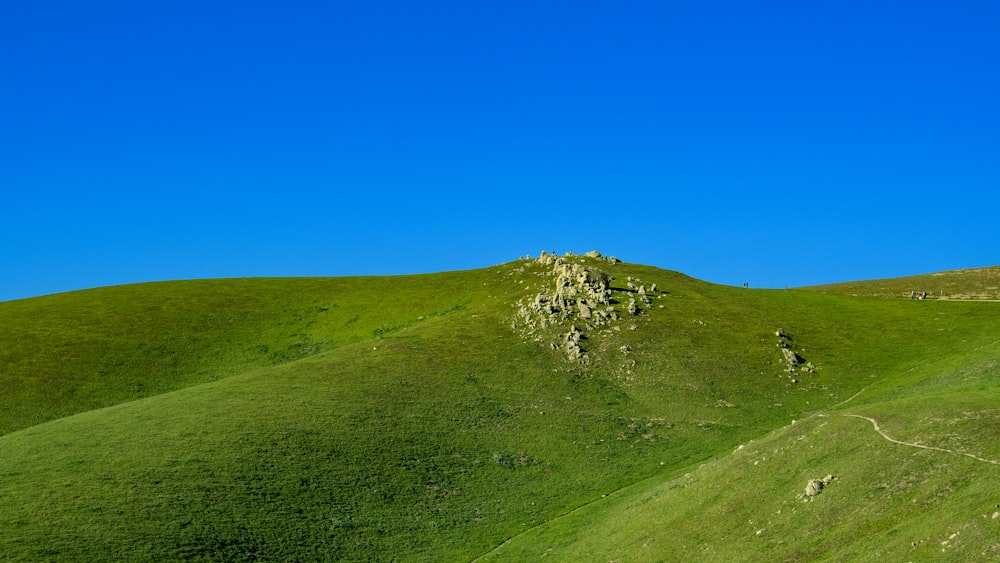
(894, 441)
(819, 414)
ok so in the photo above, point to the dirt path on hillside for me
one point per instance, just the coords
(894, 441)
(818, 414)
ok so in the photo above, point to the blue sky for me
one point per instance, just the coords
(775, 142)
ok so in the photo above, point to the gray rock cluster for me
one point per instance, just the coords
(547, 257)
(815, 486)
(641, 295)
(793, 361)
(578, 298)
(595, 254)
(576, 291)
(571, 344)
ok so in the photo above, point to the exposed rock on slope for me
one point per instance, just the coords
(577, 295)
(793, 361)
(815, 486)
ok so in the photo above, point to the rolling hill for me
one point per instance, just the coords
(575, 408)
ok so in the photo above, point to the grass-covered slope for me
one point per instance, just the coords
(72, 352)
(914, 456)
(425, 418)
(977, 284)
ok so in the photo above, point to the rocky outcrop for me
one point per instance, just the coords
(791, 358)
(794, 362)
(577, 298)
(576, 290)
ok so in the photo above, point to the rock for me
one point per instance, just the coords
(598, 279)
(814, 487)
(791, 357)
(574, 335)
(547, 258)
(573, 350)
(580, 294)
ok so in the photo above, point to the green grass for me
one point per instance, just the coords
(402, 418)
(72, 352)
(965, 284)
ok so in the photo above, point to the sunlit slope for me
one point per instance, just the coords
(976, 284)
(914, 456)
(442, 429)
(886, 500)
(71, 352)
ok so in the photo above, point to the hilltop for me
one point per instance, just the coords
(571, 407)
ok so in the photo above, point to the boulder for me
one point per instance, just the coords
(814, 487)
(791, 357)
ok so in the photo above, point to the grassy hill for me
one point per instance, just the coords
(968, 284)
(485, 414)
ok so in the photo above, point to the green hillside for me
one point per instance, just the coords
(72, 352)
(975, 284)
(559, 407)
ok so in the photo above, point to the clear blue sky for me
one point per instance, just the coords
(774, 142)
